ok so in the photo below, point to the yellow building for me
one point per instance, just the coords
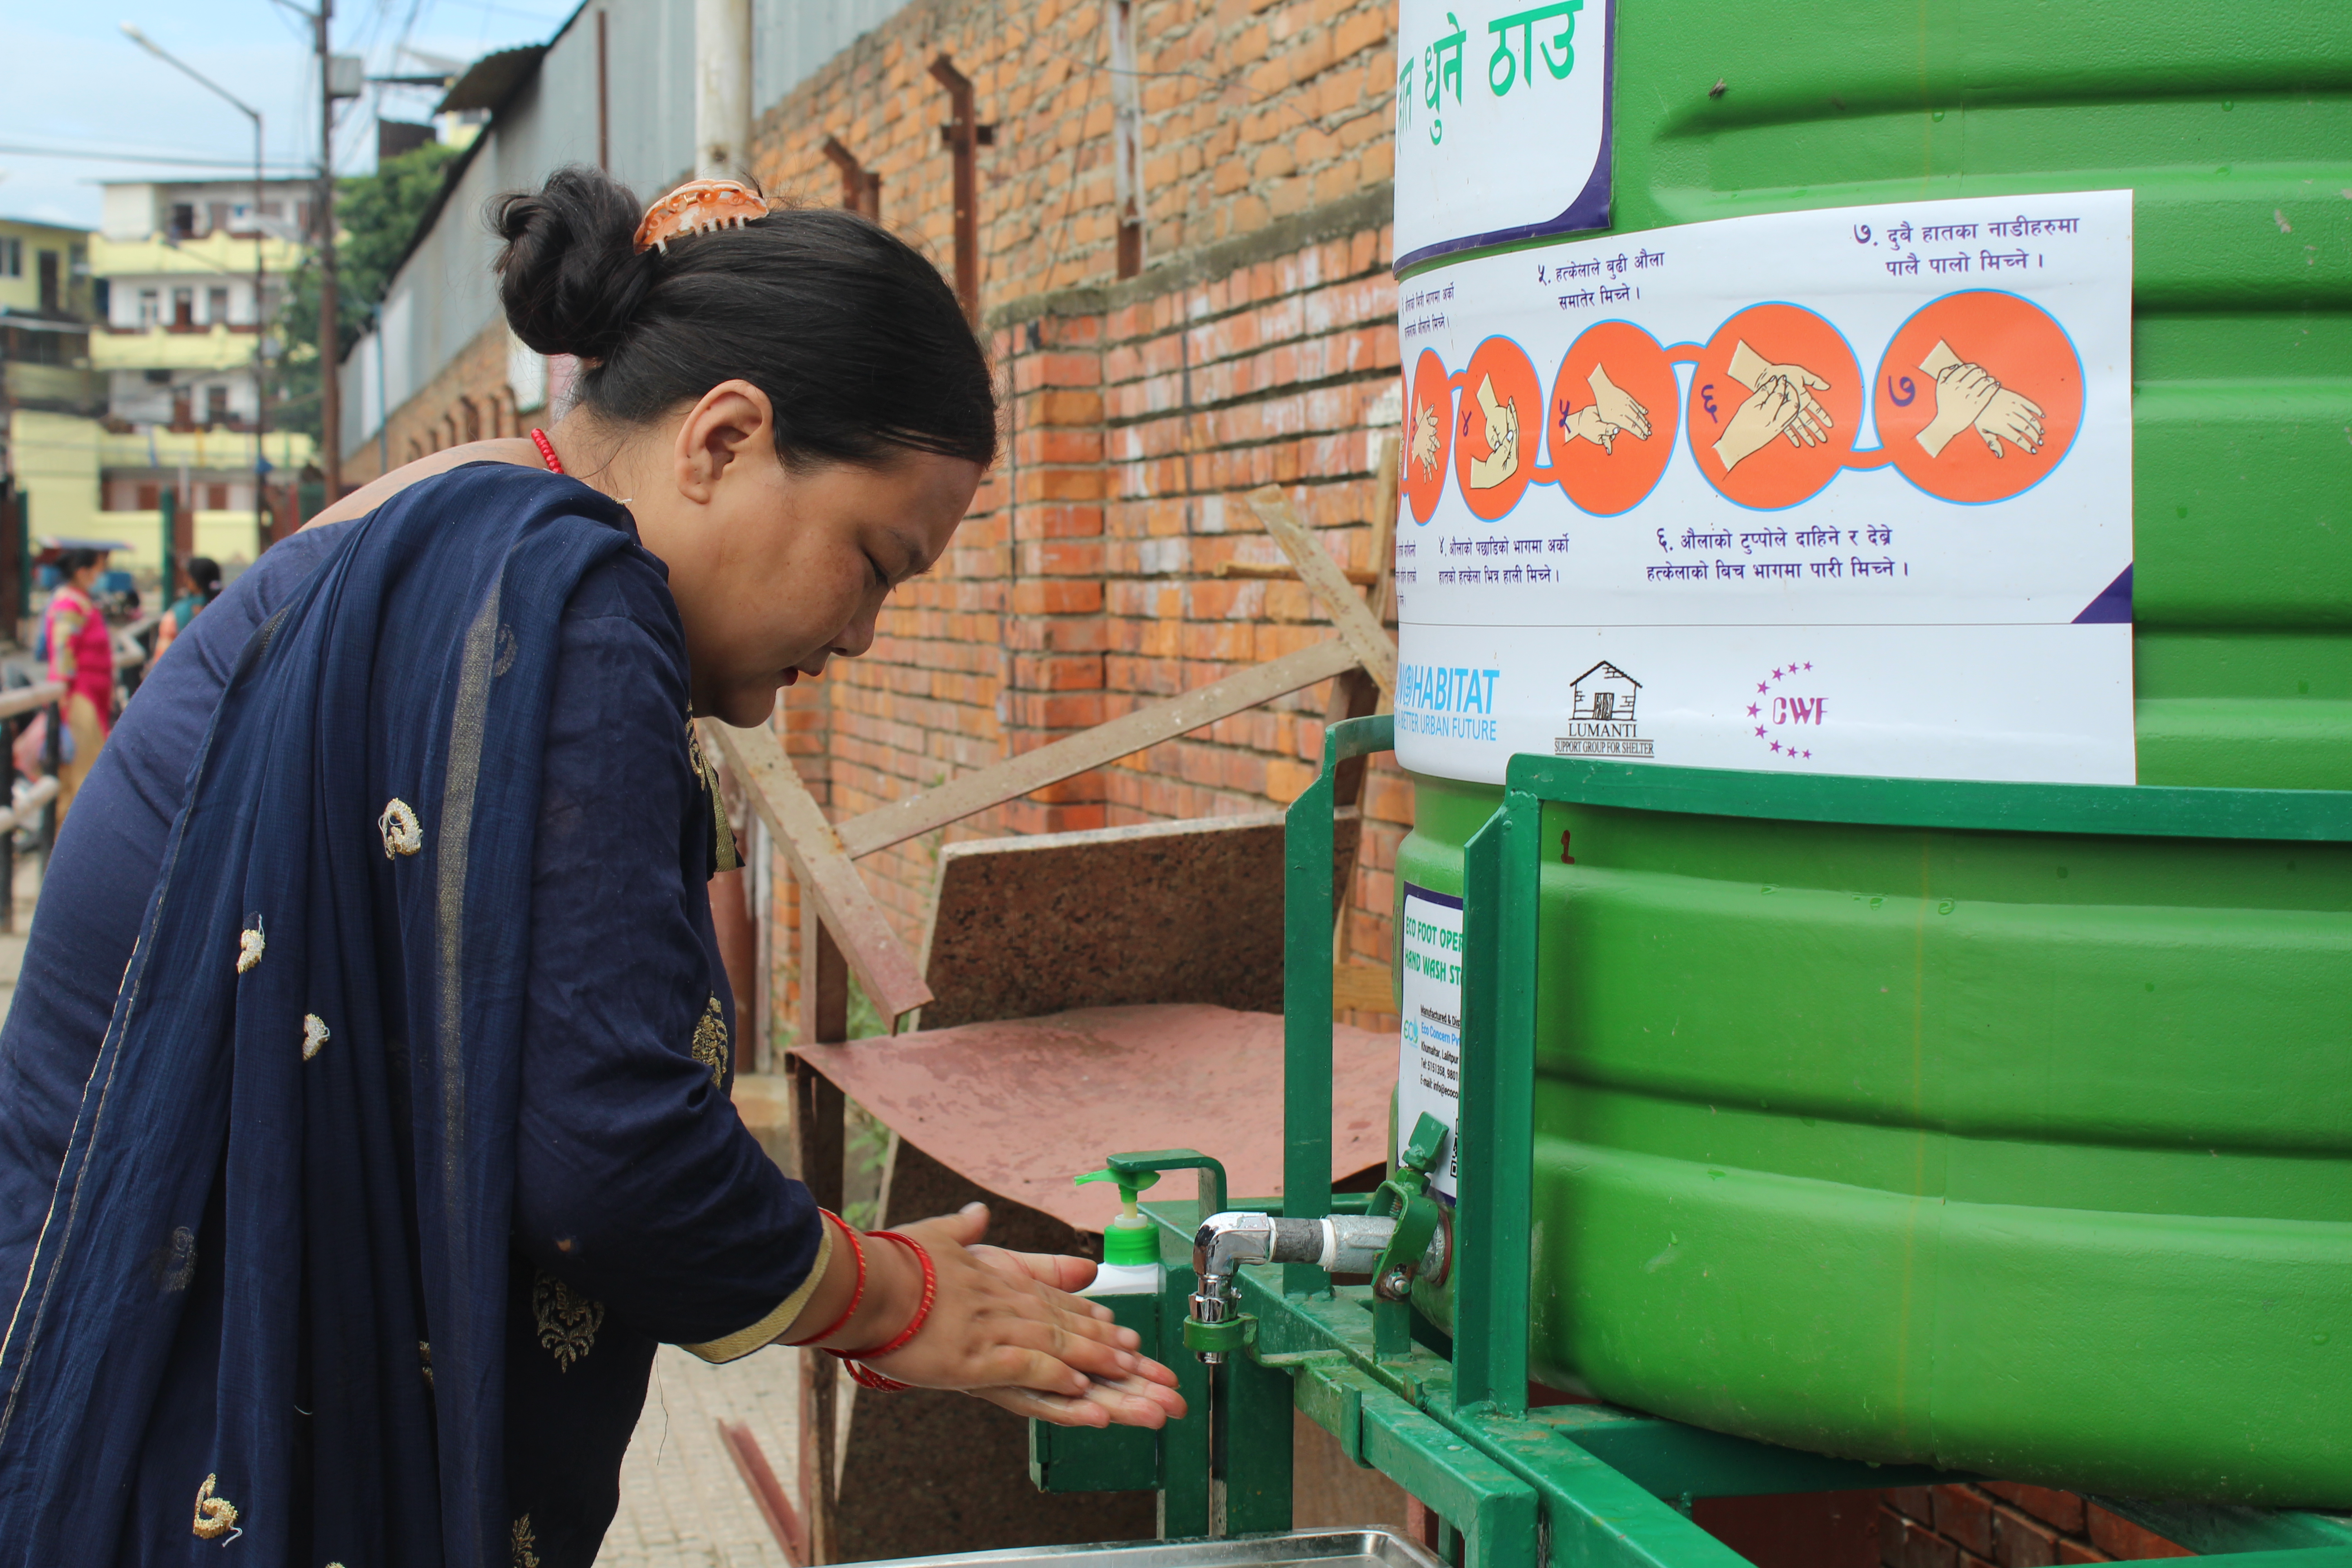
(190, 277)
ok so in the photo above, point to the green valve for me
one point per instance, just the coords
(1128, 1239)
(1224, 1338)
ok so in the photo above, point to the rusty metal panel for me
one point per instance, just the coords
(1022, 1106)
(1163, 911)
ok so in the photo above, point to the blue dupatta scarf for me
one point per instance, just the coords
(268, 1301)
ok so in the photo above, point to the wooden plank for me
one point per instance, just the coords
(1358, 626)
(1361, 988)
(1384, 518)
(1281, 571)
(1016, 776)
(831, 888)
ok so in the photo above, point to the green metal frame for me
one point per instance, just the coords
(1578, 1484)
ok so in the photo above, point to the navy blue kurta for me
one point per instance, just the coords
(643, 1211)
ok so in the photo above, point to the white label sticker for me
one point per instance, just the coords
(1842, 491)
(1502, 122)
(1429, 1057)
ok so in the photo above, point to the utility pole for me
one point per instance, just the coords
(330, 337)
(722, 88)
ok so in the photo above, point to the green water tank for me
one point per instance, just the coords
(2021, 1153)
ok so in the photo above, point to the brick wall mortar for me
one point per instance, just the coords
(2004, 1524)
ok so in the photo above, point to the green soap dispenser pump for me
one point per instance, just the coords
(1130, 1242)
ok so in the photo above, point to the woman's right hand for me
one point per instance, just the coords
(1006, 1326)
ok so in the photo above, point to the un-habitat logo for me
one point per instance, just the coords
(1600, 715)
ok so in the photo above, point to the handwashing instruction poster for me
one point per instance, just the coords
(1840, 492)
(1429, 1060)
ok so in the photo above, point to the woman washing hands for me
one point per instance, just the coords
(345, 1227)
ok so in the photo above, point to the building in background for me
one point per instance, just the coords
(51, 395)
(185, 326)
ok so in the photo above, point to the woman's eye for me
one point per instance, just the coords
(881, 578)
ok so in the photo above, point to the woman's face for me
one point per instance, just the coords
(87, 578)
(800, 565)
(777, 570)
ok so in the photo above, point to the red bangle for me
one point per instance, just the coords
(866, 1377)
(858, 1250)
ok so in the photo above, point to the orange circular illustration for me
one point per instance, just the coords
(1773, 407)
(1612, 427)
(1428, 437)
(1495, 433)
(1979, 398)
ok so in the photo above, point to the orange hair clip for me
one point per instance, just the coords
(698, 206)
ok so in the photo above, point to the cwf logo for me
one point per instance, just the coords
(1785, 723)
(1798, 710)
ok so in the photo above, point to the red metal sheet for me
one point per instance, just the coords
(1024, 1105)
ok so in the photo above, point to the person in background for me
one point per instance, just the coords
(199, 584)
(81, 656)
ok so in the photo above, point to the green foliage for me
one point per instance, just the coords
(376, 215)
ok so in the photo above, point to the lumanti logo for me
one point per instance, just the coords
(1600, 715)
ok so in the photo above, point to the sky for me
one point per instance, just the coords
(78, 83)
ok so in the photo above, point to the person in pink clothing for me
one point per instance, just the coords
(81, 655)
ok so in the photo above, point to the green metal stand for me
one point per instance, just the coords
(1580, 1484)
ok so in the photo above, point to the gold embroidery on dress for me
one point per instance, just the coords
(403, 834)
(249, 946)
(314, 1035)
(728, 853)
(567, 1321)
(710, 1041)
(216, 1516)
(524, 1540)
(425, 1358)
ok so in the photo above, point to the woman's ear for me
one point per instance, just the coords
(732, 420)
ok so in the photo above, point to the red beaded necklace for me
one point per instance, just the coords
(547, 450)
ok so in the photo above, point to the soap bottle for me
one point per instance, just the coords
(1131, 1264)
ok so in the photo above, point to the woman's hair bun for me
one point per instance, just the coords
(569, 275)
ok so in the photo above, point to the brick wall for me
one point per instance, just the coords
(467, 400)
(1084, 582)
(1252, 111)
(2010, 1525)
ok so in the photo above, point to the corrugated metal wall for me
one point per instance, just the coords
(444, 296)
(792, 37)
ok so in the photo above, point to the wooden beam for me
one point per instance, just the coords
(1130, 732)
(830, 888)
(1359, 626)
(1361, 988)
(1384, 517)
(1283, 571)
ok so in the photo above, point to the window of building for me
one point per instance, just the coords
(102, 292)
(52, 282)
(12, 257)
(150, 305)
(183, 220)
(216, 405)
(183, 307)
(150, 497)
(216, 498)
(159, 378)
(217, 217)
(183, 409)
(217, 307)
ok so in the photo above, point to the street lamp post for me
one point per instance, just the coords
(261, 326)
